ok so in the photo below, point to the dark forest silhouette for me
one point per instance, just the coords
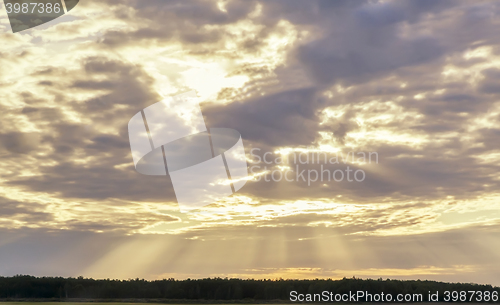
(29, 287)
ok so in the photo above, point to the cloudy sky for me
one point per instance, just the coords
(417, 82)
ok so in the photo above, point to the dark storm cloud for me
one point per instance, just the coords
(98, 181)
(327, 64)
(197, 12)
(491, 81)
(366, 41)
(20, 142)
(128, 83)
(425, 178)
(488, 138)
(125, 84)
(286, 118)
(115, 38)
(162, 21)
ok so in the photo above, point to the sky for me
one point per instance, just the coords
(416, 82)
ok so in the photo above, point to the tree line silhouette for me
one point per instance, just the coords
(30, 287)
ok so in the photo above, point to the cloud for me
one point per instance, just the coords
(286, 118)
(19, 142)
(414, 81)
